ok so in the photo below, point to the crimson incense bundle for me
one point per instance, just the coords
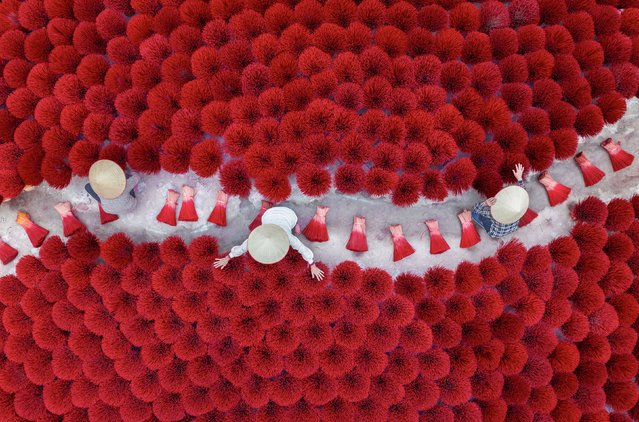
(437, 242)
(470, 236)
(619, 158)
(591, 173)
(7, 252)
(70, 223)
(557, 193)
(106, 217)
(258, 218)
(401, 247)
(357, 242)
(218, 215)
(188, 211)
(35, 233)
(167, 213)
(316, 230)
(527, 218)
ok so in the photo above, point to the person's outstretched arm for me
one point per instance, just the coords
(307, 254)
(235, 252)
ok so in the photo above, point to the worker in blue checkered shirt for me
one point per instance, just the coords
(500, 215)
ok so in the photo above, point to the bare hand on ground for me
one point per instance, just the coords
(316, 272)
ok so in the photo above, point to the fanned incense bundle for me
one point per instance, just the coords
(188, 211)
(258, 218)
(70, 223)
(35, 233)
(167, 213)
(401, 247)
(557, 193)
(619, 158)
(106, 217)
(357, 242)
(7, 252)
(218, 215)
(591, 173)
(437, 242)
(470, 236)
(527, 218)
(316, 230)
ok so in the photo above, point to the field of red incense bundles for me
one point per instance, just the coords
(408, 99)
(110, 330)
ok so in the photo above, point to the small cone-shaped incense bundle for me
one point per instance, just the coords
(188, 211)
(316, 230)
(167, 213)
(218, 215)
(35, 233)
(557, 193)
(401, 247)
(619, 158)
(7, 252)
(437, 242)
(591, 173)
(357, 242)
(106, 217)
(527, 218)
(70, 223)
(470, 236)
(258, 218)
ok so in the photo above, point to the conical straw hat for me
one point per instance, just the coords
(511, 205)
(107, 179)
(268, 244)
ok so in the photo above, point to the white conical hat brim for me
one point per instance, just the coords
(107, 179)
(268, 244)
(511, 204)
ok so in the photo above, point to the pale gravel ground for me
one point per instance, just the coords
(380, 213)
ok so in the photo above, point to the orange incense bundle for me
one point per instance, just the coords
(357, 242)
(218, 215)
(470, 236)
(591, 173)
(527, 218)
(35, 233)
(106, 217)
(167, 213)
(437, 242)
(258, 218)
(316, 230)
(619, 158)
(70, 223)
(557, 193)
(188, 211)
(401, 247)
(7, 252)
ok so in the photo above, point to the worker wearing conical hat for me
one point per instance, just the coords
(109, 185)
(500, 215)
(269, 242)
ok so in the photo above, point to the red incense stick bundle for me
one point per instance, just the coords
(316, 230)
(70, 223)
(557, 193)
(591, 173)
(188, 211)
(7, 252)
(437, 242)
(258, 218)
(218, 215)
(35, 233)
(470, 236)
(167, 213)
(619, 158)
(106, 217)
(527, 218)
(401, 247)
(357, 242)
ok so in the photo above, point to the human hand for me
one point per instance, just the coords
(519, 172)
(316, 272)
(222, 262)
(490, 202)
